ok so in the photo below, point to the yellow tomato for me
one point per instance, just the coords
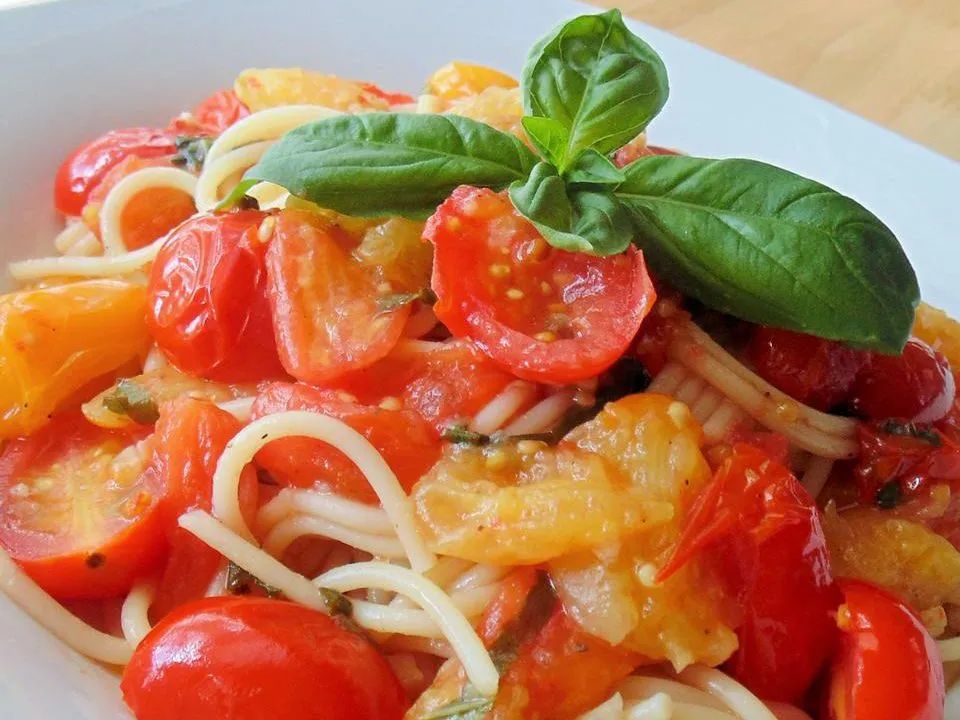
(260, 89)
(495, 106)
(459, 79)
(939, 331)
(54, 341)
(398, 254)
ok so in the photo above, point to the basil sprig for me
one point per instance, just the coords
(751, 239)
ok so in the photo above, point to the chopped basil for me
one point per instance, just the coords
(536, 611)
(889, 495)
(463, 709)
(133, 400)
(337, 603)
(386, 303)
(241, 582)
(926, 433)
(460, 434)
(191, 152)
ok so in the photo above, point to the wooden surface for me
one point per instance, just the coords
(896, 62)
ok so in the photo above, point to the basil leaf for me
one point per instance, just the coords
(571, 219)
(597, 79)
(475, 708)
(593, 168)
(133, 400)
(548, 136)
(191, 152)
(242, 582)
(386, 303)
(236, 197)
(391, 163)
(772, 247)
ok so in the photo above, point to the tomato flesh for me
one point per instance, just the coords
(88, 164)
(212, 116)
(258, 659)
(887, 666)
(207, 299)
(542, 313)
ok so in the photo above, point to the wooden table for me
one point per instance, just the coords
(896, 62)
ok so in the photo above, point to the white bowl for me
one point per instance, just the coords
(71, 70)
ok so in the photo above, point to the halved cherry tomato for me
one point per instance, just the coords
(324, 303)
(258, 659)
(638, 148)
(887, 666)
(393, 98)
(916, 385)
(207, 299)
(88, 164)
(149, 214)
(544, 314)
(445, 382)
(817, 372)
(190, 437)
(764, 532)
(212, 116)
(76, 510)
(408, 444)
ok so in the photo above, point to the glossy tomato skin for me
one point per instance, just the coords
(80, 527)
(88, 164)
(543, 314)
(404, 439)
(817, 372)
(207, 299)
(887, 666)
(258, 659)
(916, 385)
(212, 116)
(393, 98)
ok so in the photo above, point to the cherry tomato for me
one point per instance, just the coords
(324, 303)
(763, 530)
(445, 382)
(207, 299)
(393, 98)
(258, 659)
(638, 148)
(542, 313)
(76, 510)
(916, 385)
(88, 164)
(408, 444)
(149, 214)
(887, 666)
(212, 116)
(817, 372)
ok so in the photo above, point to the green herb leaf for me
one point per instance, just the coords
(337, 603)
(549, 136)
(391, 163)
(386, 303)
(889, 495)
(191, 152)
(241, 582)
(133, 400)
(468, 709)
(772, 247)
(236, 197)
(924, 433)
(570, 219)
(536, 611)
(460, 434)
(594, 169)
(596, 79)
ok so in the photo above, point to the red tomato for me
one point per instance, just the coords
(190, 437)
(916, 385)
(77, 512)
(817, 372)
(636, 149)
(88, 164)
(258, 659)
(207, 299)
(763, 529)
(445, 382)
(887, 666)
(394, 98)
(542, 313)
(212, 116)
(324, 302)
(407, 443)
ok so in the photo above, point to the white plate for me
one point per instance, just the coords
(71, 70)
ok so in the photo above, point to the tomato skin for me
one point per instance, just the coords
(258, 659)
(105, 538)
(817, 372)
(916, 385)
(887, 666)
(207, 299)
(393, 98)
(408, 444)
(88, 164)
(762, 529)
(542, 313)
(212, 116)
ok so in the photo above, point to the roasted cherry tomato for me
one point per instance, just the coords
(212, 116)
(88, 164)
(408, 444)
(916, 385)
(446, 382)
(887, 666)
(207, 299)
(392, 98)
(324, 302)
(544, 314)
(76, 510)
(459, 79)
(638, 148)
(817, 372)
(764, 533)
(58, 342)
(258, 659)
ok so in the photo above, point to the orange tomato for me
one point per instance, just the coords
(459, 79)
(54, 341)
